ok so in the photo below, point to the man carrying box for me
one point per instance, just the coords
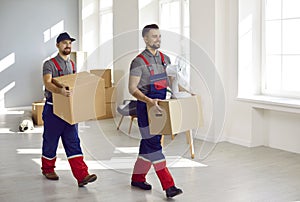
(55, 127)
(148, 83)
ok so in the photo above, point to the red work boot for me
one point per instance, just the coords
(48, 166)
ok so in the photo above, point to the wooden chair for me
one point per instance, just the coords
(128, 109)
(132, 117)
(189, 140)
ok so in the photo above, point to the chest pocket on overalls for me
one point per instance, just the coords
(158, 81)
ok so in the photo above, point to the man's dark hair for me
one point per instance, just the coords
(147, 28)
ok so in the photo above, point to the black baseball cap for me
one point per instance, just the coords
(64, 36)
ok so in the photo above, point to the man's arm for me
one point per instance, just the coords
(47, 78)
(134, 91)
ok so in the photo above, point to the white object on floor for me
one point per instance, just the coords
(26, 124)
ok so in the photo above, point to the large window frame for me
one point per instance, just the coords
(280, 58)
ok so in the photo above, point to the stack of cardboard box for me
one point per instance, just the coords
(37, 110)
(110, 94)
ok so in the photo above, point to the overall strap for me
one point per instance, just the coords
(162, 58)
(57, 67)
(73, 66)
(147, 63)
(145, 60)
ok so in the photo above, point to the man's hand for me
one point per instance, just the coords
(65, 91)
(154, 102)
(50, 86)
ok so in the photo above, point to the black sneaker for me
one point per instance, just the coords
(173, 191)
(141, 185)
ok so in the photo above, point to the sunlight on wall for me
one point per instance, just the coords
(144, 3)
(88, 11)
(54, 31)
(106, 4)
(3, 91)
(89, 45)
(7, 61)
(51, 56)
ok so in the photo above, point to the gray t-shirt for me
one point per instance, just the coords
(50, 68)
(139, 68)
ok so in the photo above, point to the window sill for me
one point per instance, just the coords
(272, 103)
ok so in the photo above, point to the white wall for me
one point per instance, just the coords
(204, 70)
(149, 12)
(125, 43)
(237, 128)
(23, 24)
(89, 22)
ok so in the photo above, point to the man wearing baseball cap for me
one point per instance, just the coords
(55, 127)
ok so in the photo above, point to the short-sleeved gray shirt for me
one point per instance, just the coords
(50, 68)
(139, 68)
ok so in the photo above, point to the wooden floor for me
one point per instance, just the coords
(228, 173)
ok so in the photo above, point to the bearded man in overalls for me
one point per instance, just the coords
(148, 83)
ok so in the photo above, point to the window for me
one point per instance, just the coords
(106, 21)
(174, 17)
(106, 33)
(281, 48)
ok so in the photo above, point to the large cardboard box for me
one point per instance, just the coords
(105, 74)
(110, 94)
(110, 102)
(110, 111)
(87, 101)
(178, 115)
(37, 110)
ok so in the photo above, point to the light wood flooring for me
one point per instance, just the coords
(228, 173)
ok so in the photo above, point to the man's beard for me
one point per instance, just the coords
(66, 51)
(154, 46)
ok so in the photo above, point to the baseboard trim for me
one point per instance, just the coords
(237, 141)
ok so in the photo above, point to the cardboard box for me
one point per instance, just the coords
(110, 94)
(178, 115)
(110, 111)
(87, 101)
(37, 110)
(105, 74)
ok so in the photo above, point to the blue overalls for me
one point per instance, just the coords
(54, 128)
(150, 151)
